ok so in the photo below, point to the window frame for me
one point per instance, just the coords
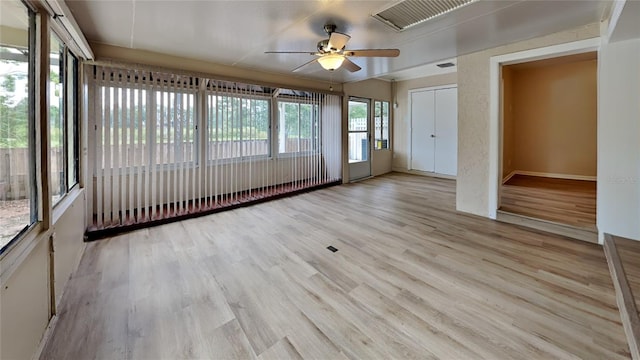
(315, 128)
(381, 134)
(151, 128)
(207, 125)
(74, 168)
(34, 191)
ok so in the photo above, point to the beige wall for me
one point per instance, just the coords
(24, 304)
(402, 115)
(473, 116)
(550, 119)
(25, 275)
(223, 72)
(508, 126)
(375, 90)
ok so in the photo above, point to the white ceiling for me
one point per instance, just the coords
(238, 33)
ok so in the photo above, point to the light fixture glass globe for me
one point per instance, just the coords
(331, 62)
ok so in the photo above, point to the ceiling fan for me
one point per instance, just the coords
(331, 53)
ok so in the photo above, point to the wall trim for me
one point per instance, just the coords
(423, 173)
(495, 120)
(549, 175)
(45, 337)
(509, 176)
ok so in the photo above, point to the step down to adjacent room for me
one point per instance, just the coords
(570, 231)
(622, 257)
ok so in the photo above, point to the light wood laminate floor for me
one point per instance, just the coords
(571, 202)
(411, 278)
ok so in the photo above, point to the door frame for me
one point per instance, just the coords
(495, 104)
(369, 143)
(410, 102)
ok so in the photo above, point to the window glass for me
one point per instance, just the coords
(297, 127)
(56, 119)
(381, 121)
(237, 126)
(18, 198)
(72, 135)
(129, 106)
(175, 135)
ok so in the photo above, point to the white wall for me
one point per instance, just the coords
(618, 198)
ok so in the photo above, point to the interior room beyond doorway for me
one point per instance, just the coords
(549, 144)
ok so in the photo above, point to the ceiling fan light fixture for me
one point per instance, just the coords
(331, 61)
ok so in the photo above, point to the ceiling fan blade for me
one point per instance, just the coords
(303, 65)
(372, 52)
(350, 65)
(291, 52)
(337, 40)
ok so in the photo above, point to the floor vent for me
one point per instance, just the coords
(405, 14)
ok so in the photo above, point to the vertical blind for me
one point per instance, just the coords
(165, 145)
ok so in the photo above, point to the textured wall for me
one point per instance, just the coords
(473, 116)
(402, 115)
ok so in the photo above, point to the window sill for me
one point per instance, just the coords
(66, 202)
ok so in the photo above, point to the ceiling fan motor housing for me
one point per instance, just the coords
(323, 46)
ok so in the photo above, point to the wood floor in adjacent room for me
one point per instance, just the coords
(571, 202)
(411, 278)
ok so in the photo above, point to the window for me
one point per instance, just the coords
(63, 119)
(238, 126)
(175, 130)
(126, 109)
(18, 197)
(298, 127)
(381, 121)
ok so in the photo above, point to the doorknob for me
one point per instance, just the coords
(433, 136)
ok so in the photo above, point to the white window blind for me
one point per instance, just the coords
(167, 145)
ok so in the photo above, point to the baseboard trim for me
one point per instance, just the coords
(508, 177)
(423, 173)
(45, 337)
(624, 297)
(550, 175)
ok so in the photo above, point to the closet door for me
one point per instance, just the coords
(446, 131)
(422, 130)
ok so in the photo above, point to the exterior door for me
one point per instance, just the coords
(359, 139)
(422, 130)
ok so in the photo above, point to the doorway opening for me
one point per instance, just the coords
(549, 140)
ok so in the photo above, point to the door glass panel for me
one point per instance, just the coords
(358, 147)
(358, 131)
(357, 116)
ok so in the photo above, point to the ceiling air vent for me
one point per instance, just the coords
(408, 13)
